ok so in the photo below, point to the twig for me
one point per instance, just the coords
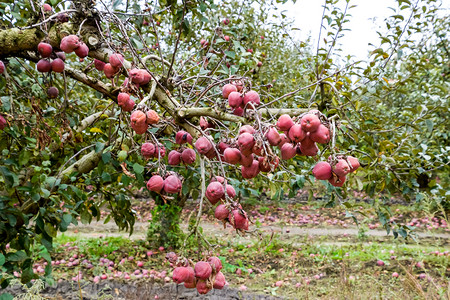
(178, 40)
(306, 87)
(48, 19)
(321, 25)
(81, 26)
(403, 31)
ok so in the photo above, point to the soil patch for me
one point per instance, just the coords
(136, 290)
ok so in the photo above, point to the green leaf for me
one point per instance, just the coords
(85, 217)
(45, 255)
(106, 157)
(17, 256)
(398, 17)
(45, 193)
(106, 177)
(2, 259)
(99, 147)
(430, 125)
(67, 218)
(300, 181)
(11, 179)
(403, 233)
(6, 103)
(12, 220)
(47, 243)
(122, 155)
(24, 157)
(185, 189)
(50, 230)
(6, 296)
(346, 204)
(359, 183)
(230, 54)
(138, 169)
(27, 275)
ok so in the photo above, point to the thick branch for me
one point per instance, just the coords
(281, 111)
(84, 165)
(89, 161)
(105, 89)
(208, 112)
(172, 107)
(14, 40)
(86, 122)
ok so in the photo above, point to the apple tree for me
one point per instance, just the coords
(193, 100)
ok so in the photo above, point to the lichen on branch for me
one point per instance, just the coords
(15, 40)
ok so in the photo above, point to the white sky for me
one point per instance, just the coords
(367, 18)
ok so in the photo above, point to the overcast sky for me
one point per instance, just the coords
(367, 18)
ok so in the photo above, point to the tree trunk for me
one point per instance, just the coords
(164, 229)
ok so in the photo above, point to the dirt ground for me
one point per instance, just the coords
(129, 291)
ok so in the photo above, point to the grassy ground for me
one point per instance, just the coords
(322, 263)
(306, 268)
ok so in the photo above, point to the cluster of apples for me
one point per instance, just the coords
(301, 137)
(183, 155)
(72, 43)
(239, 100)
(255, 150)
(116, 62)
(252, 150)
(50, 62)
(217, 190)
(140, 120)
(336, 169)
(204, 276)
(172, 183)
(232, 212)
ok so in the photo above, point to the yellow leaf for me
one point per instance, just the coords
(96, 130)
(383, 184)
(334, 101)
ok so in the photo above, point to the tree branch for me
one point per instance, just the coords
(14, 40)
(105, 89)
(191, 112)
(281, 111)
(208, 112)
(84, 165)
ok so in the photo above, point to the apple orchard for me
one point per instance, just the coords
(182, 100)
